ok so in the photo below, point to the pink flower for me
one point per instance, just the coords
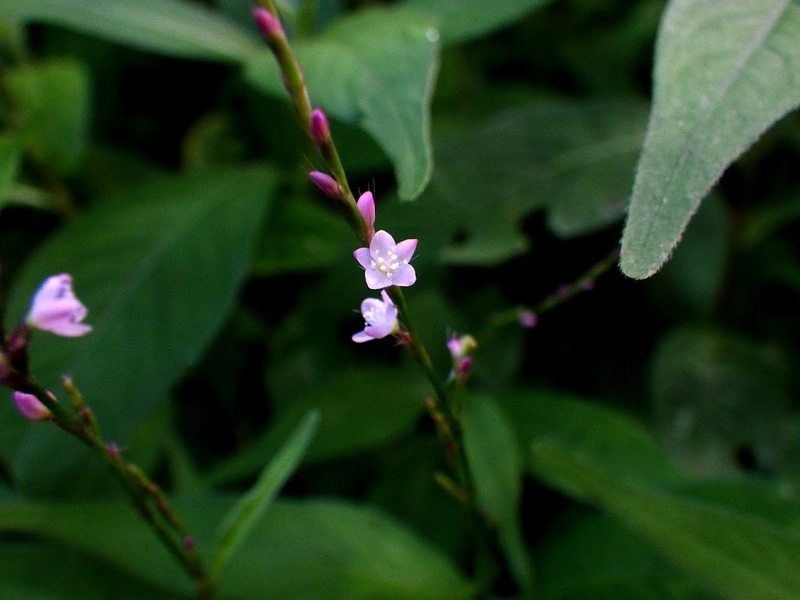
(318, 126)
(380, 317)
(31, 407)
(386, 263)
(528, 319)
(326, 184)
(366, 206)
(56, 309)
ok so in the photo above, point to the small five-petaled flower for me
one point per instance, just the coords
(386, 263)
(380, 317)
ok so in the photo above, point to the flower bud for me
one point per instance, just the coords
(528, 319)
(320, 130)
(366, 206)
(56, 309)
(267, 22)
(326, 184)
(31, 407)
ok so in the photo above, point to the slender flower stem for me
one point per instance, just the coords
(146, 496)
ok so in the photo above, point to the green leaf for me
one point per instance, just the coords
(740, 554)
(596, 557)
(467, 19)
(172, 27)
(313, 549)
(52, 101)
(495, 465)
(715, 395)
(376, 69)
(591, 430)
(244, 515)
(10, 158)
(327, 549)
(159, 268)
(300, 236)
(725, 72)
(25, 573)
(574, 159)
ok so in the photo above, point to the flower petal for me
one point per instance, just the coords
(377, 280)
(404, 276)
(361, 337)
(55, 308)
(381, 244)
(405, 250)
(363, 257)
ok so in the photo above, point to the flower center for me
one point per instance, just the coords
(387, 264)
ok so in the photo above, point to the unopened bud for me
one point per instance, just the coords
(267, 22)
(528, 319)
(31, 407)
(326, 184)
(319, 128)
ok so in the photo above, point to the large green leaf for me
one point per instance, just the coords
(375, 68)
(40, 571)
(174, 27)
(461, 20)
(51, 100)
(738, 553)
(725, 71)
(314, 549)
(159, 268)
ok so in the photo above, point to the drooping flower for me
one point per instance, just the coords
(56, 309)
(380, 318)
(31, 407)
(366, 206)
(387, 263)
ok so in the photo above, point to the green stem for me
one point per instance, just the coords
(145, 495)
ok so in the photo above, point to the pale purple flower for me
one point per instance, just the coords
(31, 407)
(56, 309)
(380, 317)
(366, 206)
(386, 263)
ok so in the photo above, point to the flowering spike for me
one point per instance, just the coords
(267, 22)
(31, 407)
(366, 206)
(319, 128)
(380, 317)
(387, 263)
(326, 184)
(56, 309)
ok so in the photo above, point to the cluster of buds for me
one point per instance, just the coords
(54, 308)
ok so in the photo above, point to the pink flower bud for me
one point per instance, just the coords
(267, 22)
(366, 206)
(320, 130)
(31, 407)
(56, 309)
(326, 184)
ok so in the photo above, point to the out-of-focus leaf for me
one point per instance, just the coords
(691, 281)
(25, 573)
(463, 20)
(596, 557)
(314, 549)
(245, 514)
(159, 268)
(51, 101)
(737, 553)
(300, 236)
(573, 159)
(495, 465)
(10, 157)
(173, 27)
(725, 72)
(591, 430)
(716, 396)
(375, 68)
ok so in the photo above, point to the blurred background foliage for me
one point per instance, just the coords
(642, 441)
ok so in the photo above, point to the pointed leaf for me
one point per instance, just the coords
(725, 72)
(173, 27)
(251, 507)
